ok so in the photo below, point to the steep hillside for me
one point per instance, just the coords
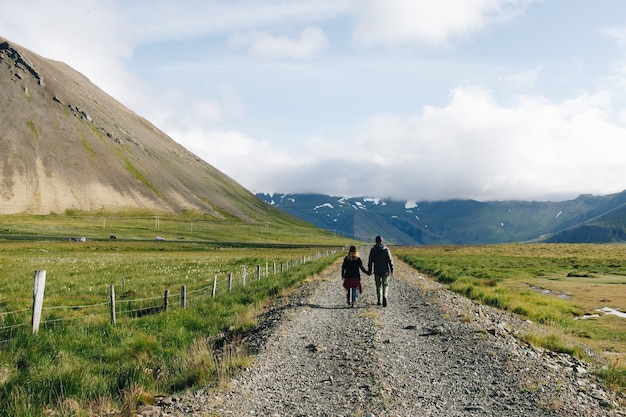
(584, 219)
(67, 145)
(608, 227)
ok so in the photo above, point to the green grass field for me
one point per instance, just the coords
(82, 272)
(184, 227)
(555, 286)
(79, 363)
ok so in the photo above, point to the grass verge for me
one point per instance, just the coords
(560, 287)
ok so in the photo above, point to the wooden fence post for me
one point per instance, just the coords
(214, 286)
(243, 276)
(274, 268)
(38, 290)
(112, 299)
(258, 272)
(183, 297)
(166, 300)
(230, 281)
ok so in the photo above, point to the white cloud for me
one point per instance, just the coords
(617, 34)
(521, 80)
(477, 148)
(617, 65)
(310, 43)
(192, 18)
(252, 162)
(182, 111)
(474, 147)
(430, 23)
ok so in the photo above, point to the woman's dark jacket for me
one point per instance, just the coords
(351, 267)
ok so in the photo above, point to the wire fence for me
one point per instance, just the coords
(17, 322)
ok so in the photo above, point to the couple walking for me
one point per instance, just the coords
(380, 258)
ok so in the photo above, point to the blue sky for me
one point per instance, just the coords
(405, 99)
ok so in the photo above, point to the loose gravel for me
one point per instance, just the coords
(430, 352)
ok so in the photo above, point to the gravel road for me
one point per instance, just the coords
(430, 352)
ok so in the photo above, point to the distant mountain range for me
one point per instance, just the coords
(586, 219)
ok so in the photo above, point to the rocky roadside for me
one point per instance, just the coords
(429, 353)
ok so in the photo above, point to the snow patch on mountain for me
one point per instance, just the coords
(375, 201)
(330, 206)
(359, 206)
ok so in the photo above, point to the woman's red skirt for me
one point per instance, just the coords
(351, 282)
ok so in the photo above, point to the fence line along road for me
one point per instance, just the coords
(10, 323)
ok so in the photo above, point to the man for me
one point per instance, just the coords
(380, 257)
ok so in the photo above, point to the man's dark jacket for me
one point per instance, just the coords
(380, 256)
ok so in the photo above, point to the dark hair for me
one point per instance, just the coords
(379, 239)
(352, 249)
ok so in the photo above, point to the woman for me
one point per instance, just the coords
(350, 272)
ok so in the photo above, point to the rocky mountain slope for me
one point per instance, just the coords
(67, 145)
(586, 219)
